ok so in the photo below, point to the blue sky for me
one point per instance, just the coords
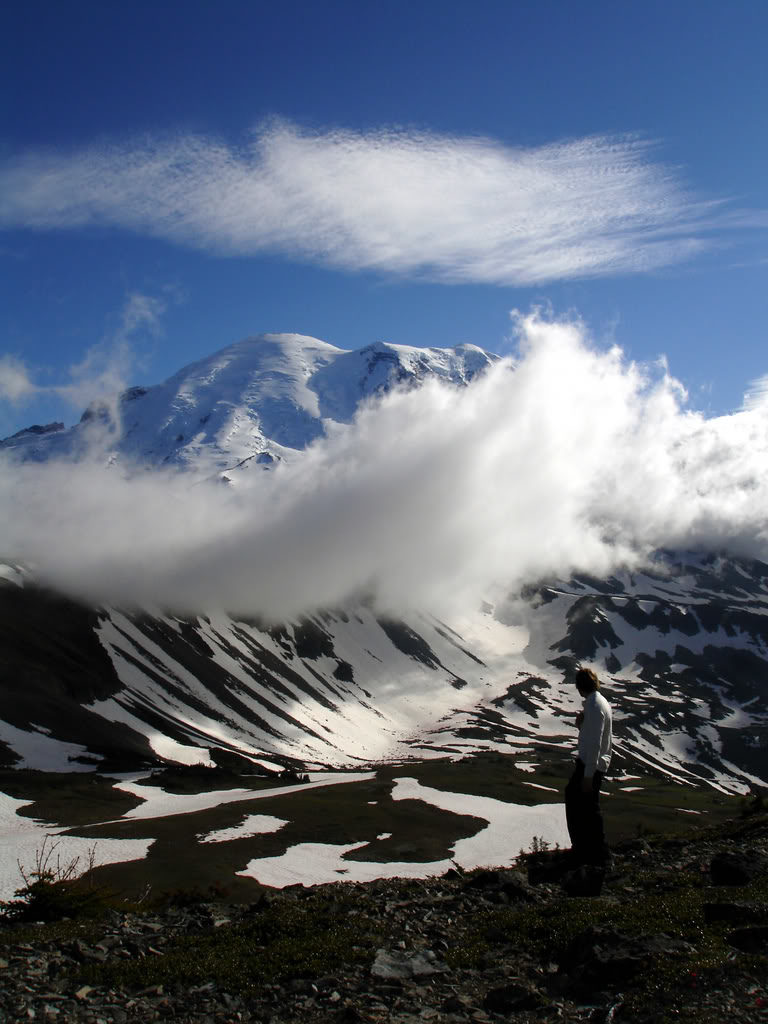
(174, 177)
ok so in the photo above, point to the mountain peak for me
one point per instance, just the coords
(257, 401)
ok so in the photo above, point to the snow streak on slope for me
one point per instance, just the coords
(289, 691)
(682, 652)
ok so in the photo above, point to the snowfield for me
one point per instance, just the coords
(510, 828)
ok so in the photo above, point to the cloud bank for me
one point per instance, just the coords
(450, 208)
(568, 458)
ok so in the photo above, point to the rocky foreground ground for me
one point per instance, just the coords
(676, 930)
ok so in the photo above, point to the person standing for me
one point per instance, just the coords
(582, 794)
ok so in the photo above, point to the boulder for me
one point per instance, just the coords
(737, 867)
(603, 955)
(736, 913)
(506, 999)
(750, 940)
(501, 886)
(390, 964)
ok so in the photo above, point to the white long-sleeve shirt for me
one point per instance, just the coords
(596, 734)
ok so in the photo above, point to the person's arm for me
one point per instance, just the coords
(590, 740)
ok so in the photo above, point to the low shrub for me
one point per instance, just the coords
(54, 890)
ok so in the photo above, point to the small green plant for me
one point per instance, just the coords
(539, 844)
(53, 889)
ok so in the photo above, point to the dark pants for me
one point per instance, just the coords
(585, 822)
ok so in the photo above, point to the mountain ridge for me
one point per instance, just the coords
(351, 687)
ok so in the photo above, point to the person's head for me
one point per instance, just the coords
(586, 681)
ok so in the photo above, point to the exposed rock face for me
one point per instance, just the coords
(52, 668)
(36, 429)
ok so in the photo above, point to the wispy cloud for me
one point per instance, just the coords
(16, 384)
(756, 396)
(568, 458)
(451, 208)
(106, 367)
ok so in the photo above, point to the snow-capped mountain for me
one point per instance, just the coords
(256, 402)
(682, 648)
(683, 653)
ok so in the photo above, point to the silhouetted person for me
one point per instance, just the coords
(582, 794)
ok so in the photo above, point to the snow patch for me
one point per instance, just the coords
(42, 752)
(251, 825)
(21, 838)
(157, 803)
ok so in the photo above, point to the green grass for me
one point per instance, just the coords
(67, 798)
(292, 940)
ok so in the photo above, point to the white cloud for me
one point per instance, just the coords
(16, 384)
(108, 366)
(757, 394)
(141, 312)
(105, 369)
(570, 458)
(454, 209)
